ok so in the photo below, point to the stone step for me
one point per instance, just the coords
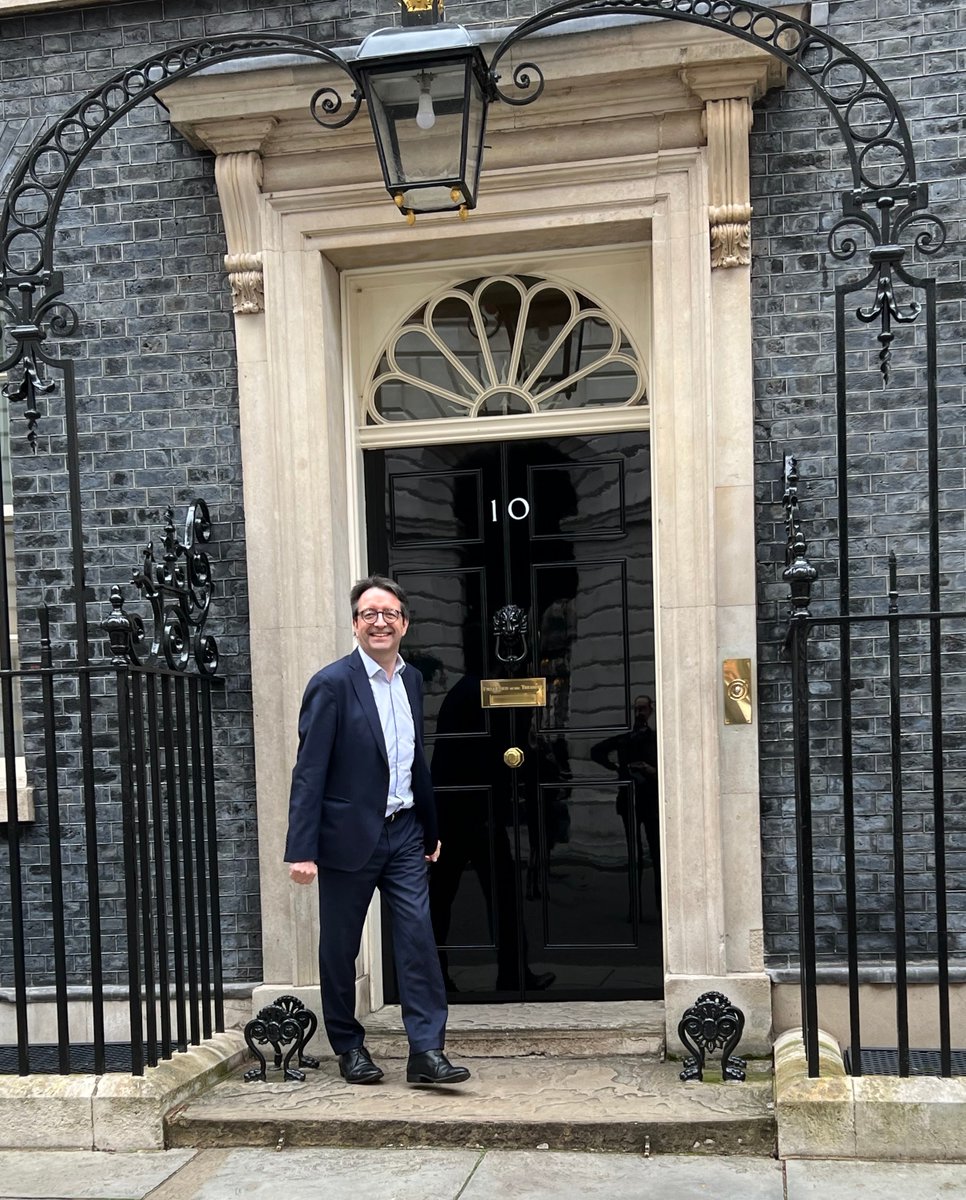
(624, 1103)
(568, 1030)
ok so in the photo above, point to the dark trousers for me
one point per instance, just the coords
(398, 869)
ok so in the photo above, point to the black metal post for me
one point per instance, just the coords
(803, 829)
(160, 885)
(130, 841)
(144, 870)
(54, 835)
(174, 858)
(898, 831)
(184, 805)
(212, 842)
(201, 864)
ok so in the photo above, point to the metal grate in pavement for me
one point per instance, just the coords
(880, 1060)
(43, 1059)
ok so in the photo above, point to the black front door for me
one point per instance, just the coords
(548, 883)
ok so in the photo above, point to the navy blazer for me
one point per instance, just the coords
(340, 783)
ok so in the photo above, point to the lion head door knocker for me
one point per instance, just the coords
(510, 625)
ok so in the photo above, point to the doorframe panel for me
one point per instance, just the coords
(452, 431)
(294, 414)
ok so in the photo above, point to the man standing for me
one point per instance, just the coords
(362, 816)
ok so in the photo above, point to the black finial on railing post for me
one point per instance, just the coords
(893, 583)
(799, 573)
(125, 631)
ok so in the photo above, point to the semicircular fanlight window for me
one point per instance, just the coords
(502, 345)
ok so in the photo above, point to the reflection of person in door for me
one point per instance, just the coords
(637, 765)
(476, 835)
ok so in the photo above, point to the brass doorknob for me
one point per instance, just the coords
(513, 757)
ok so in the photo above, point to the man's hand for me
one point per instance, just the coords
(303, 872)
(435, 855)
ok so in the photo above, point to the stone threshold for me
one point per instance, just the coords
(870, 1117)
(618, 1103)
(554, 1029)
(115, 1111)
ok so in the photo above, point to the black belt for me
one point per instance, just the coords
(398, 813)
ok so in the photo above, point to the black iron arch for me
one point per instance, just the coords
(42, 176)
(881, 157)
(886, 203)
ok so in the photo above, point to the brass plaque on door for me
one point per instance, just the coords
(513, 693)
(736, 677)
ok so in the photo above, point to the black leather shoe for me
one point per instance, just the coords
(432, 1066)
(355, 1066)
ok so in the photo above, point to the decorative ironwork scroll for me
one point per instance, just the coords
(34, 308)
(712, 1023)
(899, 216)
(178, 589)
(285, 1022)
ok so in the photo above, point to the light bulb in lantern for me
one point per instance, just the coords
(425, 113)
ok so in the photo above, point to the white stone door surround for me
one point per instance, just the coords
(658, 156)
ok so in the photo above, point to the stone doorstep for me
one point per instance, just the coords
(871, 1117)
(561, 1030)
(111, 1112)
(621, 1103)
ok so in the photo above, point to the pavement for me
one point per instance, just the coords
(433, 1174)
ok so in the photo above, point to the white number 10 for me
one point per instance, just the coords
(517, 510)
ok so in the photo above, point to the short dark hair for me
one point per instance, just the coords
(385, 584)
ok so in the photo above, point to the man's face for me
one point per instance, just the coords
(643, 708)
(380, 639)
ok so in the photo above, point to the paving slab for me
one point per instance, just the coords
(86, 1174)
(340, 1175)
(620, 1103)
(545, 1175)
(855, 1180)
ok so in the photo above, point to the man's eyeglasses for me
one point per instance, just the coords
(389, 615)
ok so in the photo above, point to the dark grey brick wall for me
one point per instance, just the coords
(797, 174)
(141, 243)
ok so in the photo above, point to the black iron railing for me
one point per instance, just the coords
(111, 885)
(870, 710)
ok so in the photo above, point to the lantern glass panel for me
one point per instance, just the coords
(475, 122)
(418, 114)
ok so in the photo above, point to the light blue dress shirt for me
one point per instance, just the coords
(398, 730)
